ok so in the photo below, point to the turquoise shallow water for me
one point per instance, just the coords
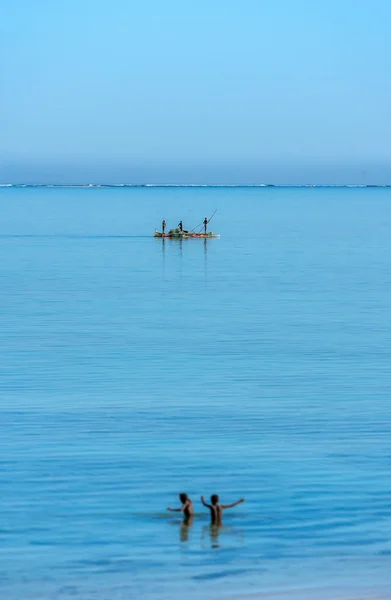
(254, 365)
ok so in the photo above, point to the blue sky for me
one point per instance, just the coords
(196, 91)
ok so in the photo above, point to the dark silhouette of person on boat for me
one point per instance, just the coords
(186, 508)
(205, 224)
(180, 225)
(216, 509)
(163, 226)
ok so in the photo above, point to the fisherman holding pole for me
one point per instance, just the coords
(205, 224)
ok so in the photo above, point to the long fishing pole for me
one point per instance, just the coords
(209, 220)
(193, 230)
(200, 226)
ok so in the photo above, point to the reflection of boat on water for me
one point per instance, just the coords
(178, 234)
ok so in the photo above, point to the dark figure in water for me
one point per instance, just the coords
(186, 508)
(163, 226)
(205, 224)
(180, 225)
(216, 509)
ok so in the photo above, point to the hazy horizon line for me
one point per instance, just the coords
(196, 185)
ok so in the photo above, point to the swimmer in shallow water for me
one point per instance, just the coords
(186, 508)
(216, 509)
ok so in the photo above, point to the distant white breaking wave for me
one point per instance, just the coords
(186, 185)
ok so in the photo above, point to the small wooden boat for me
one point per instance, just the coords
(180, 233)
(173, 233)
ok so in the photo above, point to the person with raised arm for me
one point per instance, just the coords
(216, 509)
(186, 508)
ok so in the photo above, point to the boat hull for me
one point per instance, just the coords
(183, 235)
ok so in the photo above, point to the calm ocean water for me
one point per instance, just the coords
(255, 365)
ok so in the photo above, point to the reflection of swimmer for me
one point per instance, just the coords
(216, 509)
(214, 533)
(218, 535)
(186, 508)
(185, 529)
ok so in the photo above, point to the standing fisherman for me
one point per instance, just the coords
(163, 226)
(180, 225)
(205, 224)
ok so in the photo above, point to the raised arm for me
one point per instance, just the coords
(182, 508)
(233, 504)
(204, 503)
